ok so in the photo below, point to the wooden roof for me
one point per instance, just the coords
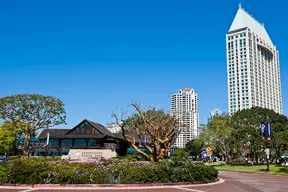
(86, 129)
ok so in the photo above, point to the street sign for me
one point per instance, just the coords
(204, 153)
(208, 149)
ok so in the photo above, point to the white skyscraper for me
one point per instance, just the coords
(252, 66)
(184, 105)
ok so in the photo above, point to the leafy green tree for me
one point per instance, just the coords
(219, 135)
(159, 128)
(246, 124)
(194, 147)
(232, 135)
(7, 138)
(34, 111)
(279, 143)
(179, 155)
(247, 137)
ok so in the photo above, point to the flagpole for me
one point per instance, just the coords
(47, 141)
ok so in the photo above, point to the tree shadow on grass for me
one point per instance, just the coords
(283, 170)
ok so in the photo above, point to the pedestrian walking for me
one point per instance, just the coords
(5, 159)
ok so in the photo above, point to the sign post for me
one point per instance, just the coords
(267, 150)
(266, 136)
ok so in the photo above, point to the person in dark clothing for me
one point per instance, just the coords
(5, 159)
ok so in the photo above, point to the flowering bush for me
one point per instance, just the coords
(98, 171)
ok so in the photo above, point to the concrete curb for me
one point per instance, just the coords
(260, 173)
(109, 186)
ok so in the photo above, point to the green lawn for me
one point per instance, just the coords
(256, 168)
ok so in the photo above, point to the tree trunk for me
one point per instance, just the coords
(162, 154)
(227, 159)
(27, 137)
(155, 159)
(256, 157)
(15, 146)
(278, 153)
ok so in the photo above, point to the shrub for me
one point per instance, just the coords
(11, 158)
(48, 171)
(128, 173)
(28, 171)
(189, 172)
(130, 158)
(77, 174)
(2, 172)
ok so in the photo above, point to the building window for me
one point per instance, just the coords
(85, 126)
(53, 142)
(66, 143)
(80, 142)
(92, 142)
(53, 152)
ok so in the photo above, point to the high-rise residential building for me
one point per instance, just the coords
(184, 105)
(252, 66)
(113, 128)
(215, 113)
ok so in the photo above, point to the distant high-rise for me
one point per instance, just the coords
(184, 105)
(113, 128)
(215, 113)
(252, 66)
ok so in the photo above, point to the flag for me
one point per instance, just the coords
(47, 142)
(266, 130)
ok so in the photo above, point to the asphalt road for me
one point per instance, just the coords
(234, 182)
(249, 182)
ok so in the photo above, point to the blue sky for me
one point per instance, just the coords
(99, 56)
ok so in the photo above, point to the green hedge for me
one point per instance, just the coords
(41, 171)
(11, 158)
(130, 158)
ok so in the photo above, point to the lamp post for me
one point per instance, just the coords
(266, 136)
